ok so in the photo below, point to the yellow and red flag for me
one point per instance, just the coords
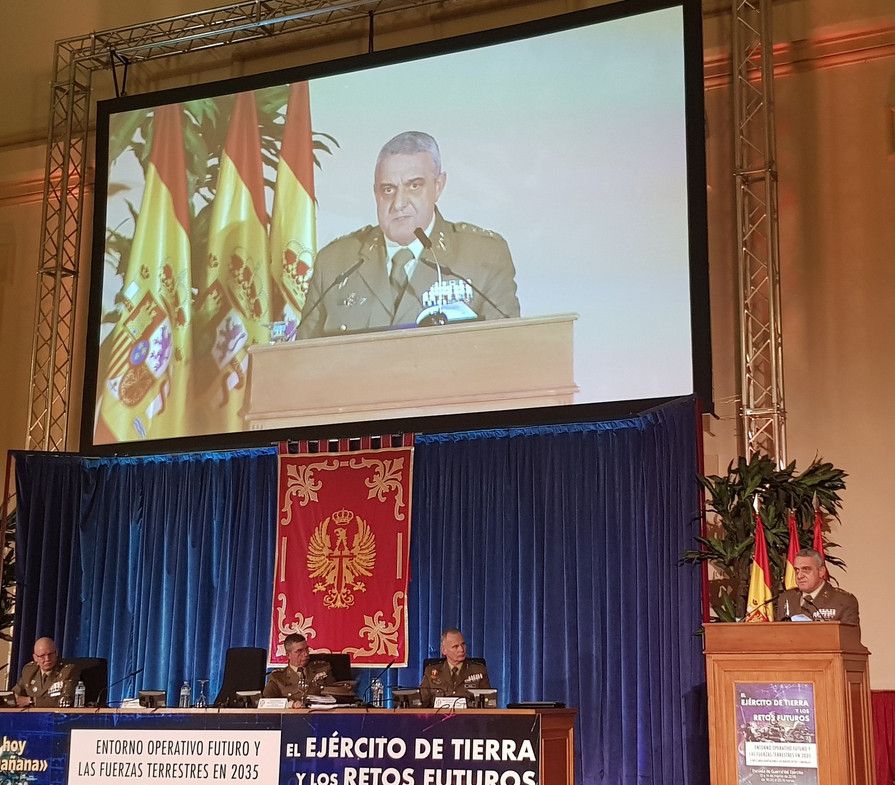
(145, 361)
(233, 308)
(789, 577)
(293, 230)
(343, 553)
(759, 606)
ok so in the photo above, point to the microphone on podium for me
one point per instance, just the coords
(446, 310)
(339, 280)
(768, 601)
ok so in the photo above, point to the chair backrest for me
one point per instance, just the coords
(244, 669)
(94, 672)
(437, 662)
(340, 663)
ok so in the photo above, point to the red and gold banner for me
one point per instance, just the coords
(343, 542)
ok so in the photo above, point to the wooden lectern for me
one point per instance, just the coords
(385, 374)
(828, 656)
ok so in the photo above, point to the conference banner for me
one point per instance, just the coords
(342, 558)
(776, 734)
(197, 747)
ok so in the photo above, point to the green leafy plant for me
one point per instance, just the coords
(730, 538)
(206, 122)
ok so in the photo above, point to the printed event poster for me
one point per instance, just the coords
(268, 748)
(776, 734)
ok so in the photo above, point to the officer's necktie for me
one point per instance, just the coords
(398, 276)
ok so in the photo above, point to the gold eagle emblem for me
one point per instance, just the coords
(339, 567)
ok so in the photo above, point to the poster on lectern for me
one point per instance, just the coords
(776, 734)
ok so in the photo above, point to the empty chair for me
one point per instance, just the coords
(95, 675)
(340, 664)
(244, 670)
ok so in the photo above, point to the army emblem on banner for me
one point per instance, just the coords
(341, 567)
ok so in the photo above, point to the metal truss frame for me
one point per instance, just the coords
(762, 407)
(76, 59)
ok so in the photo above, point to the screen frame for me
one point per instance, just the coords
(697, 235)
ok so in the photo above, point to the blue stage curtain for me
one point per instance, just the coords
(556, 552)
(158, 564)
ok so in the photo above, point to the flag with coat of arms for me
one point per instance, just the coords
(145, 362)
(233, 307)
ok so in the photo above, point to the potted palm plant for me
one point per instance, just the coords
(729, 539)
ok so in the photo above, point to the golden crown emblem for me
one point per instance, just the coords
(342, 517)
(339, 567)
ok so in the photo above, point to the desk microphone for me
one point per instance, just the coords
(378, 676)
(339, 280)
(438, 267)
(105, 690)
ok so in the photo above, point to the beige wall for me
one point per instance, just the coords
(836, 139)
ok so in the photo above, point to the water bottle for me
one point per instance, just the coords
(184, 702)
(376, 691)
(80, 692)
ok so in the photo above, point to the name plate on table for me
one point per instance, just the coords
(449, 702)
(273, 703)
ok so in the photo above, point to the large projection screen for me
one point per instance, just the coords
(572, 185)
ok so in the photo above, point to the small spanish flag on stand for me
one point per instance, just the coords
(759, 606)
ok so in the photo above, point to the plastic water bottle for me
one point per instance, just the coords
(80, 692)
(376, 692)
(184, 702)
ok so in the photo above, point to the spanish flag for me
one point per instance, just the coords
(233, 307)
(789, 577)
(759, 607)
(145, 361)
(818, 544)
(293, 231)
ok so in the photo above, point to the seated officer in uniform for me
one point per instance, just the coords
(47, 682)
(815, 597)
(302, 676)
(454, 676)
(378, 276)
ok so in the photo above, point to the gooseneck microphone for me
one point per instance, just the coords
(807, 599)
(339, 280)
(378, 676)
(768, 601)
(105, 690)
(427, 245)
(438, 267)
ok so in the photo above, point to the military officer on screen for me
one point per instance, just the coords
(302, 676)
(47, 682)
(454, 676)
(815, 597)
(381, 275)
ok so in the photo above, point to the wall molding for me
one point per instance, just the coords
(813, 54)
